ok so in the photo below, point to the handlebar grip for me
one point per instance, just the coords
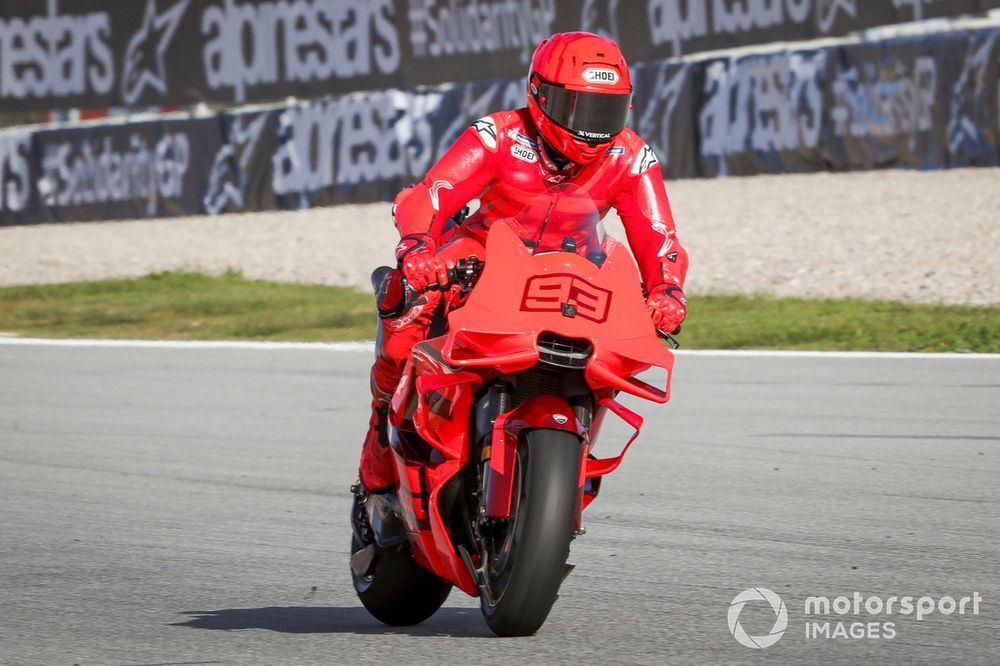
(465, 272)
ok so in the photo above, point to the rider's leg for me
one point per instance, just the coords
(394, 340)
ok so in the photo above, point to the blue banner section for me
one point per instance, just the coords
(926, 103)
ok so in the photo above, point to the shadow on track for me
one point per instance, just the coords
(456, 622)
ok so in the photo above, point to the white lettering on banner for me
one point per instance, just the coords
(227, 179)
(441, 28)
(676, 21)
(967, 125)
(888, 101)
(15, 172)
(916, 6)
(74, 174)
(763, 103)
(668, 24)
(600, 17)
(143, 63)
(297, 40)
(827, 11)
(352, 140)
(655, 123)
(55, 54)
(476, 101)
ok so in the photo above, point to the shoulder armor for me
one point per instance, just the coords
(486, 127)
(644, 159)
(631, 144)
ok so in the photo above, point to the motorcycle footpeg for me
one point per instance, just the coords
(383, 516)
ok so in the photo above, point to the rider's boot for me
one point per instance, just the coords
(376, 491)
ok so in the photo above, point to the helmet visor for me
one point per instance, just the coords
(590, 116)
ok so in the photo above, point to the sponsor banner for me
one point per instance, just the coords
(681, 27)
(665, 101)
(238, 172)
(151, 53)
(930, 102)
(99, 172)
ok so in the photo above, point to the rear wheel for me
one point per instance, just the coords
(525, 556)
(396, 590)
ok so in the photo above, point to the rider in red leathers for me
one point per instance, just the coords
(571, 132)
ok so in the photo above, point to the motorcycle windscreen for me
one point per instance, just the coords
(564, 219)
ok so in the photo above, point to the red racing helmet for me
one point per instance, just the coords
(579, 93)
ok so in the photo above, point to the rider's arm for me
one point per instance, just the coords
(458, 177)
(644, 210)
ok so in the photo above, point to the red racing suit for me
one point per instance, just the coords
(500, 159)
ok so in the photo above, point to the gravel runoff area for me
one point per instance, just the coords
(890, 235)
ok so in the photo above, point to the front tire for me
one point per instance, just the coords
(526, 557)
(397, 591)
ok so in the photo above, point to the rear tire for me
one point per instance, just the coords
(525, 565)
(398, 591)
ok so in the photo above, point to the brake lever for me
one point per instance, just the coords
(465, 273)
(671, 340)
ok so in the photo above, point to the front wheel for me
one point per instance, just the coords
(525, 556)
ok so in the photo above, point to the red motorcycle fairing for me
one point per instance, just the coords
(431, 404)
(562, 293)
(518, 300)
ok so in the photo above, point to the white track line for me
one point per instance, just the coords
(366, 346)
(796, 353)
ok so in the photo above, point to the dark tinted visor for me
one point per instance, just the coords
(592, 117)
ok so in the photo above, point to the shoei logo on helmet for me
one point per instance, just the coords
(600, 75)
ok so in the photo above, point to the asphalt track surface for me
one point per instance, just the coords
(167, 506)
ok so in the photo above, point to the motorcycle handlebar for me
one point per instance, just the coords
(465, 273)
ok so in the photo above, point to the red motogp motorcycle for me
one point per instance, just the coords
(493, 427)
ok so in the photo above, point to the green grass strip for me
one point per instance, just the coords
(190, 306)
(187, 306)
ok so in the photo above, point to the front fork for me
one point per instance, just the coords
(553, 412)
(541, 411)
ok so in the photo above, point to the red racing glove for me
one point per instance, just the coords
(667, 307)
(421, 267)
